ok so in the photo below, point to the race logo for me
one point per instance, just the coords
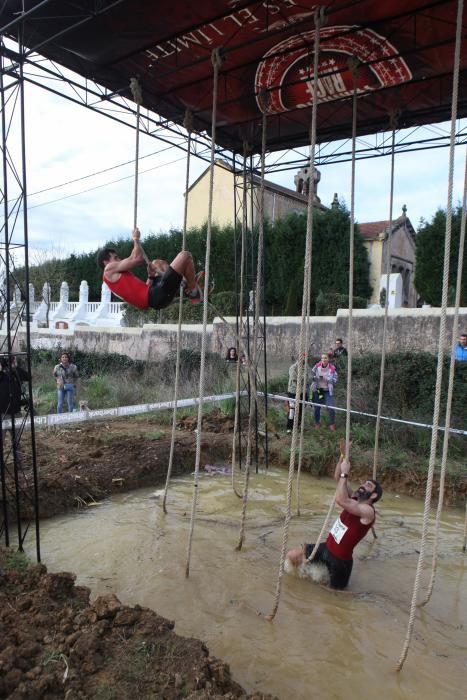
(284, 78)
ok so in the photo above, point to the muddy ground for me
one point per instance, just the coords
(53, 643)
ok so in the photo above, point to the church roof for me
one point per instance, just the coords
(372, 230)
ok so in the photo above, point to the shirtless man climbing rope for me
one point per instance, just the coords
(163, 279)
(351, 526)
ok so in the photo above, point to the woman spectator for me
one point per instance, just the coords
(322, 388)
(232, 355)
(66, 374)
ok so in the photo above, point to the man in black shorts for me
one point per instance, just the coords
(351, 526)
(163, 279)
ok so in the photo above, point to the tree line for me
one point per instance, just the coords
(283, 261)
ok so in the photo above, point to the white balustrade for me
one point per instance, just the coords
(65, 314)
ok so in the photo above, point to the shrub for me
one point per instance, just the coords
(222, 303)
(327, 304)
(88, 363)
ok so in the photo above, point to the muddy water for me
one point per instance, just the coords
(322, 644)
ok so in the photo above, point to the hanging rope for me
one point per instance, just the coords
(318, 18)
(236, 432)
(254, 363)
(441, 344)
(188, 124)
(444, 459)
(216, 62)
(135, 88)
(353, 66)
(393, 120)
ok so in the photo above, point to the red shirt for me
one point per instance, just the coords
(131, 289)
(345, 534)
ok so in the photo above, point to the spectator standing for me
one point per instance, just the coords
(461, 348)
(322, 387)
(232, 355)
(12, 377)
(339, 350)
(292, 390)
(66, 375)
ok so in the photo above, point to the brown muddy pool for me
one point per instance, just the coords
(322, 644)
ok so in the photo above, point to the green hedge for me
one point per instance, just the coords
(327, 304)
(89, 364)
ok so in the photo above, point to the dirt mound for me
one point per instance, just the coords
(54, 644)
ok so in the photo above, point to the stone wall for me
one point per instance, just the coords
(408, 329)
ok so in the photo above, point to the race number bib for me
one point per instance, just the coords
(338, 530)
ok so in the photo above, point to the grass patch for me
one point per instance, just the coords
(13, 560)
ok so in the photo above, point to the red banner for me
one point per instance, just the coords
(397, 54)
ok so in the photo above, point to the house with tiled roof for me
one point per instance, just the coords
(228, 196)
(375, 236)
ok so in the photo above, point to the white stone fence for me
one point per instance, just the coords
(64, 314)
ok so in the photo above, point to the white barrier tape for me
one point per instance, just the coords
(96, 414)
(279, 397)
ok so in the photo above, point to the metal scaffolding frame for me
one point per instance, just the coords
(20, 65)
(18, 465)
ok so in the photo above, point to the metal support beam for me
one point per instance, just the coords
(18, 468)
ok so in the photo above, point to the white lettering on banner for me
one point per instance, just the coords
(207, 35)
(338, 530)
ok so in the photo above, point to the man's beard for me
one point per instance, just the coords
(362, 494)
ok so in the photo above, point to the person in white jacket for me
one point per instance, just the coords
(322, 390)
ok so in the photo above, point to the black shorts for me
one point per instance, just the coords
(339, 569)
(164, 288)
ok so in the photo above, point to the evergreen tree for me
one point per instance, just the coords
(430, 258)
(285, 249)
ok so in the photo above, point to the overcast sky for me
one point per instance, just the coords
(66, 142)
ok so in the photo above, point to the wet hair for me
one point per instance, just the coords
(378, 490)
(103, 256)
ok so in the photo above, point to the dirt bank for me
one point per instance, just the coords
(54, 644)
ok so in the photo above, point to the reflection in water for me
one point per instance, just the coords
(322, 644)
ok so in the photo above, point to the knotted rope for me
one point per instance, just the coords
(216, 62)
(447, 422)
(354, 68)
(188, 123)
(135, 88)
(386, 305)
(254, 363)
(236, 431)
(318, 18)
(441, 344)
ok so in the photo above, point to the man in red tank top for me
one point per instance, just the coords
(351, 526)
(163, 279)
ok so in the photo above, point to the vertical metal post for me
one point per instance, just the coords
(20, 498)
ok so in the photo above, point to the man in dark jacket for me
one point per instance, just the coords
(11, 378)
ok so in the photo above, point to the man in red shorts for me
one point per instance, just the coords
(163, 279)
(351, 526)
